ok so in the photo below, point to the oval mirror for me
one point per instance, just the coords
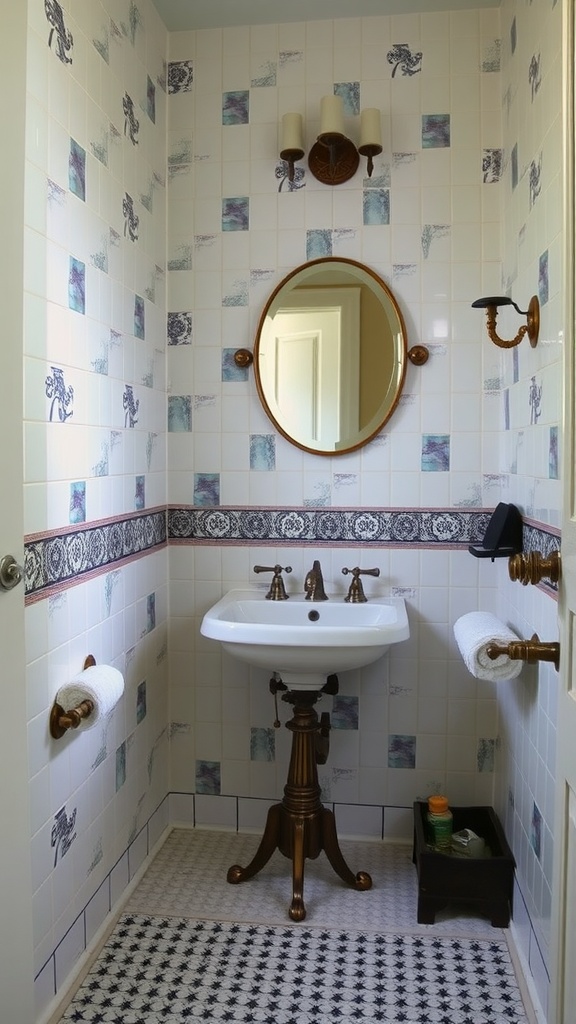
(330, 356)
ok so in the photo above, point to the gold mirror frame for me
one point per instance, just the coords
(348, 275)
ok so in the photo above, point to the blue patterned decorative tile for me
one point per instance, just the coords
(151, 99)
(150, 613)
(77, 170)
(492, 165)
(238, 294)
(131, 405)
(263, 452)
(430, 234)
(262, 744)
(236, 213)
(206, 489)
(553, 455)
(179, 328)
(543, 285)
(77, 509)
(514, 165)
(208, 777)
(506, 400)
(401, 751)
(405, 60)
(513, 36)
(63, 832)
(491, 56)
(535, 180)
(485, 754)
(180, 76)
(350, 94)
(435, 453)
(265, 76)
(179, 414)
(139, 317)
(131, 122)
(62, 395)
(60, 39)
(435, 131)
(536, 830)
(140, 493)
(535, 400)
(344, 712)
(131, 218)
(375, 206)
(230, 371)
(77, 285)
(318, 243)
(141, 702)
(120, 766)
(236, 107)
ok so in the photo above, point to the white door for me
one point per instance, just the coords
(16, 962)
(563, 953)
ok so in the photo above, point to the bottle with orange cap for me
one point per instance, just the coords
(440, 823)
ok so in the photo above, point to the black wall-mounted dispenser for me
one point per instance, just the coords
(503, 535)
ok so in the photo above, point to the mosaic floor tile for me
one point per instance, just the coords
(188, 879)
(165, 969)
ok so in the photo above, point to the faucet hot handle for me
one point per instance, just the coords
(356, 592)
(277, 590)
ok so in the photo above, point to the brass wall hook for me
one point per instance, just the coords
(533, 567)
(61, 720)
(526, 650)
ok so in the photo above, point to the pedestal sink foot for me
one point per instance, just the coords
(268, 844)
(360, 881)
(297, 910)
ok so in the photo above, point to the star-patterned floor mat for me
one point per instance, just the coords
(155, 970)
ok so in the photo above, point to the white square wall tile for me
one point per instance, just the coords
(218, 811)
(358, 821)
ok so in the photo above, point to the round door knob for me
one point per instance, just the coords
(10, 572)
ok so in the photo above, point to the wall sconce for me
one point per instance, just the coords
(531, 327)
(333, 158)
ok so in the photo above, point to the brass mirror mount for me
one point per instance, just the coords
(533, 567)
(418, 355)
(243, 357)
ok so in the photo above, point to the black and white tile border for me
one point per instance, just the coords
(66, 557)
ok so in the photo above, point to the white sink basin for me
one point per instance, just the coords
(305, 641)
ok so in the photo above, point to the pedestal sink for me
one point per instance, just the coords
(304, 642)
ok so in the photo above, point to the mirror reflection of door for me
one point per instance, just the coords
(309, 349)
(330, 383)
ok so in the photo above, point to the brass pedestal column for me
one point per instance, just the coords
(300, 826)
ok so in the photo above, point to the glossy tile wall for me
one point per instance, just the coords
(528, 394)
(95, 462)
(428, 223)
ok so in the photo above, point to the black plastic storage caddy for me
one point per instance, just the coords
(483, 884)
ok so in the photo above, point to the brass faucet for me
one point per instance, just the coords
(356, 593)
(277, 590)
(314, 584)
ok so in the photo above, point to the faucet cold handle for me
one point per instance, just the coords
(277, 590)
(356, 593)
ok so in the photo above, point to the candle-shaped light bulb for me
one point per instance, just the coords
(292, 147)
(331, 116)
(370, 131)
(292, 135)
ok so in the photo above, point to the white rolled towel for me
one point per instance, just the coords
(474, 632)
(102, 684)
